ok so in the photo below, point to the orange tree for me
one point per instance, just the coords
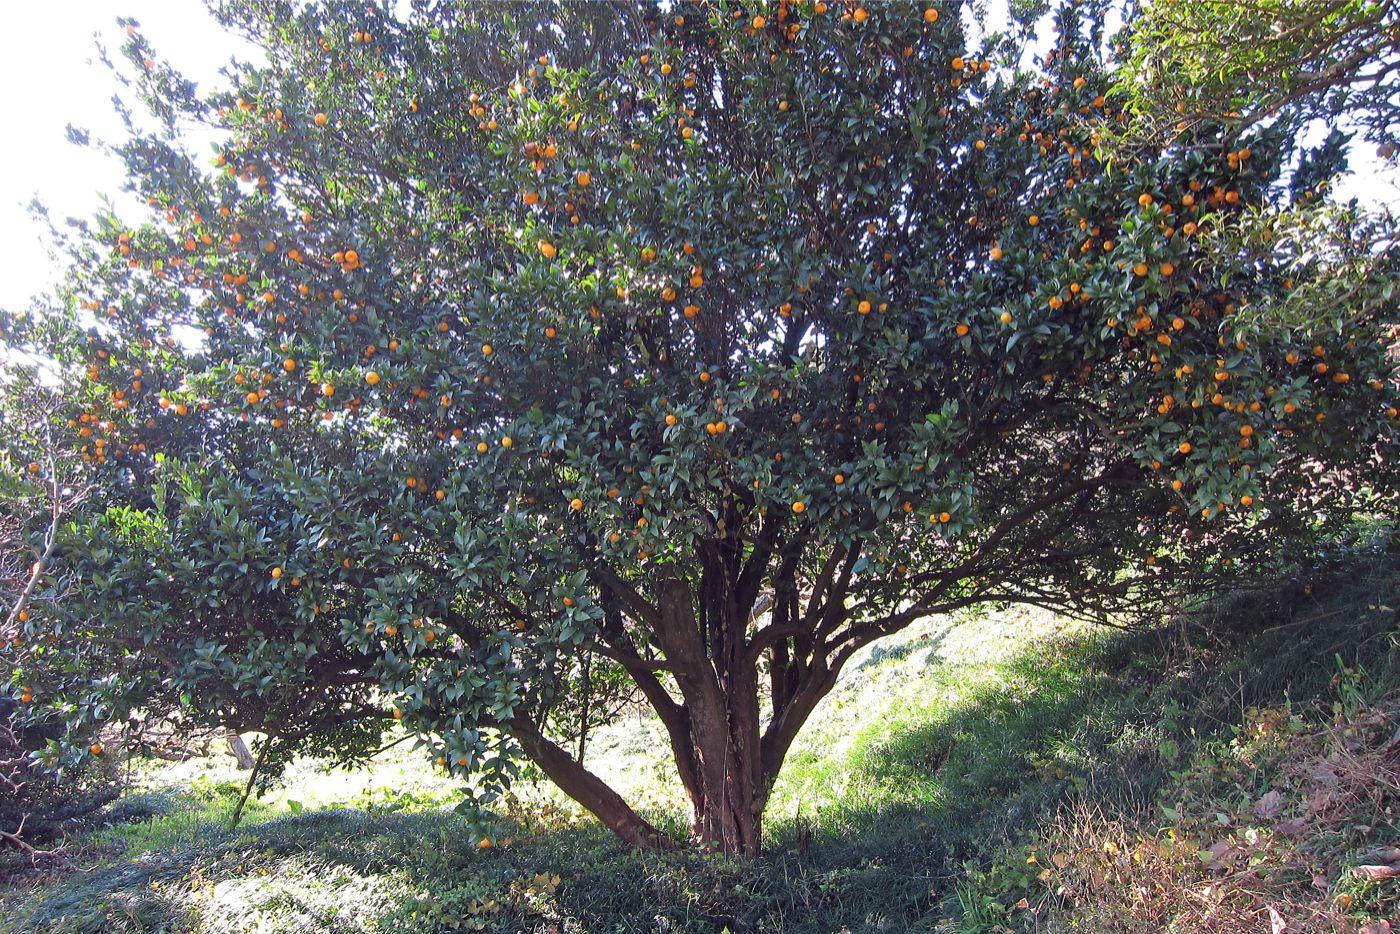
(505, 353)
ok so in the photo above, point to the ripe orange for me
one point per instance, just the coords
(1184, 447)
(930, 15)
(321, 119)
(670, 419)
(506, 442)
(276, 573)
(482, 447)
(576, 504)
(372, 378)
(548, 249)
(799, 507)
(863, 308)
(759, 22)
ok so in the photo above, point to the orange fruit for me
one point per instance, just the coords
(276, 573)
(799, 507)
(321, 119)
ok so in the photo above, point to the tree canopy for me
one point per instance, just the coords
(508, 356)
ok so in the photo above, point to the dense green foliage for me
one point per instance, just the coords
(694, 350)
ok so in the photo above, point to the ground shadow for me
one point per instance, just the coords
(1085, 719)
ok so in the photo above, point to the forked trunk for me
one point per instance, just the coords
(725, 761)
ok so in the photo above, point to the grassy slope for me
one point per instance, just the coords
(1099, 781)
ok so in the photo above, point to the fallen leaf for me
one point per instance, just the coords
(1269, 804)
(1276, 923)
(1376, 927)
(1292, 827)
(1222, 853)
(1375, 872)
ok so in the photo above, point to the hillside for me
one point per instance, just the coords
(1010, 771)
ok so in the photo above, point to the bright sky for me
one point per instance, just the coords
(55, 79)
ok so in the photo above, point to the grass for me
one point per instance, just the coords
(1010, 771)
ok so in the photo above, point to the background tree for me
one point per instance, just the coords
(1260, 61)
(714, 345)
(40, 490)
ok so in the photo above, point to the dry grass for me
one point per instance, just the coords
(1267, 837)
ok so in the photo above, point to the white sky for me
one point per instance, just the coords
(53, 79)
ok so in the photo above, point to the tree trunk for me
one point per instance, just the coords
(586, 788)
(727, 761)
(239, 750)
(727, 789)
